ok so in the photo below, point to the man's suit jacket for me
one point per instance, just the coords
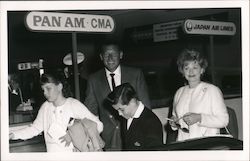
(96, 93)
(144, 132)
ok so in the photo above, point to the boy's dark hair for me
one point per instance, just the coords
(124, 92)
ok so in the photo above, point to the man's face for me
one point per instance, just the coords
(125, 111)
(111, 57)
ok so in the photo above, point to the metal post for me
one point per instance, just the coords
(211, 43)
(74, 62)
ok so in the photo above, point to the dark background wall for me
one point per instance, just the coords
(157, 59)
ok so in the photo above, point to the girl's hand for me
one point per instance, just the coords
(67, 139)
(75, 150)
(191, 118)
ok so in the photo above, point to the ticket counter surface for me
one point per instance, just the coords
(204, 143)
(35, 144)
(21, 119)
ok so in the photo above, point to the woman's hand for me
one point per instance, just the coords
(172, 122)
(191, 118)
(67, 139)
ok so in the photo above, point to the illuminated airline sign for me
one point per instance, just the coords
(53, 21)
(209, 27)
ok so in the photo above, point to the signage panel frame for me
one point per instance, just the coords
(203, 27)
(69, 22)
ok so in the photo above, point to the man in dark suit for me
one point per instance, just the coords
(142, 129)
(101, 83)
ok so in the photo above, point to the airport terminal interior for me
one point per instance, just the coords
(151, 40)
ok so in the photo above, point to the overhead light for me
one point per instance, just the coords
(67, 60)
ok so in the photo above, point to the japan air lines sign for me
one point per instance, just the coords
(53, 21)
(209, 27)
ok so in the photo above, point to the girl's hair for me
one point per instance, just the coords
(191, 55)
(124, 92)
(57, 77)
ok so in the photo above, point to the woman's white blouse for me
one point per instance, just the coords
(60, 115)
(205, 99)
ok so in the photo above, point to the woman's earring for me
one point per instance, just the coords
(202, 71)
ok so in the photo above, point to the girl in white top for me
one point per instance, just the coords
(55, 114)
(198, 106)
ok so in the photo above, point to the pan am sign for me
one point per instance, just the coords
(53, 21)
(209, 27)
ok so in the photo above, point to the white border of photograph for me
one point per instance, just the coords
(114, 156)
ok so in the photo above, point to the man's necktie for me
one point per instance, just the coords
(112, 80)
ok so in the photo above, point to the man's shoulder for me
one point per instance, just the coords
(130, 69)
(97, 74)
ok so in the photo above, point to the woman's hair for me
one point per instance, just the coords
(191, 55)
(124, 92)
(57, 77)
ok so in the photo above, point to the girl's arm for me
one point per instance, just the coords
(81, 111)
(32, 130)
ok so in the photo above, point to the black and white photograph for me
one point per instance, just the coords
(124, 80)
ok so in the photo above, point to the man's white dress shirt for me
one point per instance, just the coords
(117, 77)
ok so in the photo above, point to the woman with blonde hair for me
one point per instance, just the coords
(198, 108)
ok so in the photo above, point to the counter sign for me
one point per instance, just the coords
(209, 27)
(53, 21)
